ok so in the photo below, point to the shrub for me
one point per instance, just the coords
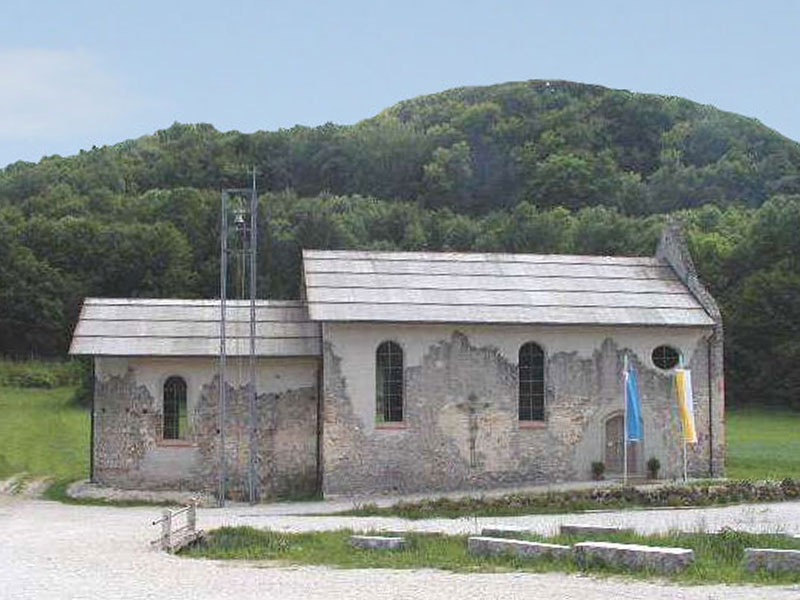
(653, 466)
(30, 378)
(598, 470)
(40, 374)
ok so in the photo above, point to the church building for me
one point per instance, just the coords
(410, 372)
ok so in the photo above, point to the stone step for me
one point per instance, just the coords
(771, 559)
(377, 542)
(492, 546)
(634, 556)
(584, 530)
(503, 532)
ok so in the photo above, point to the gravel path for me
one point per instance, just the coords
(49, 550)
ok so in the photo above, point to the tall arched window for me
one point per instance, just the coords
(175, 421)
(531, 382)
(389, 382)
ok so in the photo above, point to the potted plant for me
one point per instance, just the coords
(653, 466)
(598, 470)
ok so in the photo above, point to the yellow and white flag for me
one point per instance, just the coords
(683, 388)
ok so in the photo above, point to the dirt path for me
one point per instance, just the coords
(54, 551)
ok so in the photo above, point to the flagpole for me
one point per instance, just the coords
(683, 436)
(625, 422)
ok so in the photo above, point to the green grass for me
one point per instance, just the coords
(43, 433)
(763, 444)
(718, 558)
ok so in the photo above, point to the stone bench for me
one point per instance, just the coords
(634, 556)
(503, 532)
(493, 546)
(587, 530)
(377, 542)
(771, 560)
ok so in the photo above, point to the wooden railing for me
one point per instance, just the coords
(178, 528)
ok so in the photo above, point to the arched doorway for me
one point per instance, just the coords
(614, 451)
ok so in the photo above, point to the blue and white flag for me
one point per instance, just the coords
(633, 422)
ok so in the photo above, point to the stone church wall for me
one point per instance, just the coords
(129, 451)
(461, 430)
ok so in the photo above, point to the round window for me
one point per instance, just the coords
(666, 357)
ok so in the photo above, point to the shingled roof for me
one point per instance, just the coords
(139, 327)
(429, 287)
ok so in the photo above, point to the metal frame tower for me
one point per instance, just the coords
(247, 249)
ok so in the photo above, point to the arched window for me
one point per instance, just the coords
(389, 382)
(175, 422)
(531, 382)
(666, 357)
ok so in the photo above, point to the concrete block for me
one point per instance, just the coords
(377, 542)
(593, 530)
(771, 560)
(491, 546)
(634, 556)
(503, 532)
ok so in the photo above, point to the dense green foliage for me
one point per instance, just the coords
(524, 167)
(718, 557)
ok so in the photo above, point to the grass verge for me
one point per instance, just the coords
(43, 433)
(762, 443)
(718, 558)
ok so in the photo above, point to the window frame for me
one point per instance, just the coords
(678, 357)
(395, 350)
(182, 433)
(537, 386)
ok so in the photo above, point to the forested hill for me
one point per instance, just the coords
(470, 149)
(527, 167)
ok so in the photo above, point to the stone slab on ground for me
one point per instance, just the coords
(492, 546)
(771, 559)
(377, 542)
(86, 489)
(503, 532)
(634, 556)
(593, 529)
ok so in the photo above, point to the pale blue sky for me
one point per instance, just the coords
(77, 73)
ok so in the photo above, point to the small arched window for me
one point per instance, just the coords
(531, 382)
(175, 421)
(666, 357)
(389, 382)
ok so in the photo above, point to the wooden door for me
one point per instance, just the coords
(614, 450)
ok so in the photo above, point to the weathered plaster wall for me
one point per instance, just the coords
(129, 451)
(461, 428)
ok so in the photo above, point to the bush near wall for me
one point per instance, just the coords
(40, 374)
(728, 492)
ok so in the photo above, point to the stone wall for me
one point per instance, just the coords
(129, 451)
(461, 429)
